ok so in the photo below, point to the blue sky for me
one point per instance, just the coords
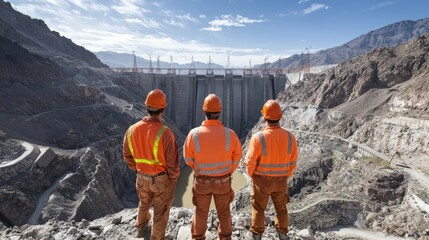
(242, 29)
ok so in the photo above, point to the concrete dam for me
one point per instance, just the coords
(242, 96)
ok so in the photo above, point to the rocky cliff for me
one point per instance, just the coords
(390, 35)
(376, 106)
(57, 95)
(35, 35)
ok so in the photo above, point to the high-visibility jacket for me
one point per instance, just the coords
(272, 152)
(212, 149)
(150, 147)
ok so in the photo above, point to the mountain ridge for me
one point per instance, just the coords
(390, 35)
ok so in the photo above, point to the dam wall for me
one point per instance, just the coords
(242, 96)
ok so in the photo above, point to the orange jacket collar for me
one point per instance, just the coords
(151, 119)
(211, 122)
(272, 127)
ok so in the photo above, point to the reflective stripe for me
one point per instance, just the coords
(147, 161)
(130, 145)
(211, 172)
(267, 165)
(196, 140)
(154, 151)
(211, 165)
(203, 168)
(227, 134)
(284, 172)
(155, 146)
(189, 159)
(289, 146)
(264, 145)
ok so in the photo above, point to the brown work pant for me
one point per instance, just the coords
(159, 194)
(262, 188)
(201, 198)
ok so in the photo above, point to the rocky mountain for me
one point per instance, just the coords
(63, 115)
(35, 36)
(363, 129)
(390, 35)
(114, 60)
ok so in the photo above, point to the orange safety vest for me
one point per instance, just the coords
(212, 150)
(143, 141)
(276, 159)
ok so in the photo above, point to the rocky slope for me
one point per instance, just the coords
(57, 95)
(35, 35)
(378, 100)
(390, 35)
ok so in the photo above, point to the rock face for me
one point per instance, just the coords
(388, 36)
(378, 99)
(36, 36)
(56, 94)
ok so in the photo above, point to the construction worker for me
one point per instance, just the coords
(270, 160)
(213, 152)
(150, 149)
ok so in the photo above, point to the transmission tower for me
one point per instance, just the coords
(307, 65)
(150, 63)
(158, 69)
(135, 63)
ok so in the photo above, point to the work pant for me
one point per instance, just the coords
(262, 188)
(203, 190)
(157, 192)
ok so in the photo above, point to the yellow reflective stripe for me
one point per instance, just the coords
(130, 145)
(155, 146)
(142, 160)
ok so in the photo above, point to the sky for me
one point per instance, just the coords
(243, 31)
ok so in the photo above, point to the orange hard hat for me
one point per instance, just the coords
(156, 99)
(212, 103)
(271, 110)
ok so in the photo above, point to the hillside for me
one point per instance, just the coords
(63, 115)
(390, 35)
(376, 107)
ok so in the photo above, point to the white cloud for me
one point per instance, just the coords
(123, 34)
(130, 7)
(175, 23)
(302, 1)
(88, 6)
(230, 21)
(381, 5)
(202, 16)
(177, 20)
(54, 2)
(212, 29)
(157, 4)
(315, 7)
(148, 23)
(187, 17)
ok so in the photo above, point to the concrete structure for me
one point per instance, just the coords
(242, 96)
(45, 157)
